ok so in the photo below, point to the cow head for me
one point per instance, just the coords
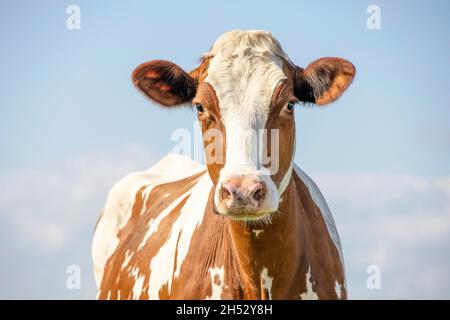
(244, 92)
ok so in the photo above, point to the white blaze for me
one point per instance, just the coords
(245, 69)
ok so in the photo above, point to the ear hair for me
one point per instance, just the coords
(201, 72)
(324, 80)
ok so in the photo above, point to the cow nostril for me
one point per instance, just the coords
(225, 193)
(259, 193)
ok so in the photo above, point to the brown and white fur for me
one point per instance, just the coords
(232, 229)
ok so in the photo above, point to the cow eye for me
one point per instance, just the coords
(290, 107)
(199, 107)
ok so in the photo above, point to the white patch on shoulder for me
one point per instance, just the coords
(324, 209)
(309, 294)
(154, 223)
(121, 198)
(217, 288)
(162, 267)
(257, 232)
(266, 281)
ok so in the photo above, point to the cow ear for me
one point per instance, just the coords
(324, 80)
(164, 82)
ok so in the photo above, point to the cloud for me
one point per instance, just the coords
(47, 215)
(398, 222)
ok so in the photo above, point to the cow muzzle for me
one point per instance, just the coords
(246, 197)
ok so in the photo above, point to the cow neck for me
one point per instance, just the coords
(268, 251)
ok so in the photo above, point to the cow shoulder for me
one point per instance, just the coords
(121, 198)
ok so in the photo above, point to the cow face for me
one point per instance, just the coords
(244, 92)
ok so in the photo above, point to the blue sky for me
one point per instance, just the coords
(71, 124)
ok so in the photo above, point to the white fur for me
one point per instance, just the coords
(267, 281)
(121, 198)
(216, 288)
(137, 288)
(154, 223)
(309, 294)
(245, 69)
(257, 232)
(128, 256)
(337, 288)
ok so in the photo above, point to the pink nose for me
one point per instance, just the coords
(244, 193)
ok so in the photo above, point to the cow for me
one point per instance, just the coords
(230, 229)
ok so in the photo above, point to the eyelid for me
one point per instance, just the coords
(194, 103)
(292, 98)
